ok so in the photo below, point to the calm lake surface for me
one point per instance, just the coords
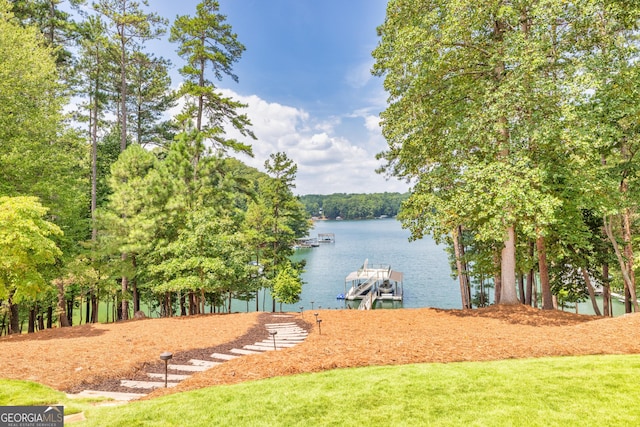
(427, 275)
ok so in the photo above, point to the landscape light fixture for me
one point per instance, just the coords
(166, 356)
(311, 305)
(273, 334)
(316, 314)
(301, 312)
(319, 330)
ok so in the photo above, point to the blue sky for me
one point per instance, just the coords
(305, 76)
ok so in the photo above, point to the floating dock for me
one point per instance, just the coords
(373, 282)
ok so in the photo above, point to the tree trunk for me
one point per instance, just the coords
(62, 304)
(192, 304)
(183, 309)
(508, 293)
(124, 304)
(41, 321)
(14, 319)
(88, 308)
(606, 291)
(49, 317)
(521, 287)
(628, 282)
(95, 303)
(530, 278)
(592, 292)
(630, 300)
(462, 274)
(529, 291)
(497, 279)
(547, 298)
(134, 287)
(31, 328)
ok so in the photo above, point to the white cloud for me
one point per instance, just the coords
(328, 162)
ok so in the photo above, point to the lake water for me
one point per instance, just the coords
(427, 274)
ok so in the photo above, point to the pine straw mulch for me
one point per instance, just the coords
(68, 358)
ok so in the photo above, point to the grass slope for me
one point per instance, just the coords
(27, 393)
(585, 391)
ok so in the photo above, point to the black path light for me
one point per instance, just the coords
(166, 356)
(301, 312)
(273, 334)
(319, 330)
(311, 305)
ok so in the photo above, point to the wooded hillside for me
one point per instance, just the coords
(353, 206)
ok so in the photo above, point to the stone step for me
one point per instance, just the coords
(258, 347)
(207, 363)
(285, 340)
(188, 368)
(145, 384)
(245, 351)
(278, 325)
(268, 343)
(118, 396)
(291, 336)
(222, 356)
(170, 377)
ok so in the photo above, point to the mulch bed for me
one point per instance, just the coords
(256, 333)
(89, 356)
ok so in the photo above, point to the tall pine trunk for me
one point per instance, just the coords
(508, 293)
(462, 273)
(606, 291)
(545, 287)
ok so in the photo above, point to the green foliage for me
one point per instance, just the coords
(57, 26)
(150, 98)
(287, 286)
(208, 43)
(25, 247)
(512, 117)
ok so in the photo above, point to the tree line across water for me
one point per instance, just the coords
(353, 206)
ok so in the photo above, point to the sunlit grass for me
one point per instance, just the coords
(27, 393)
(593, 390)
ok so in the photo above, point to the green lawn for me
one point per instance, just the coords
(572, 391)
(27, 393)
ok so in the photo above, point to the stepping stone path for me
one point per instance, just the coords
(282, 334)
